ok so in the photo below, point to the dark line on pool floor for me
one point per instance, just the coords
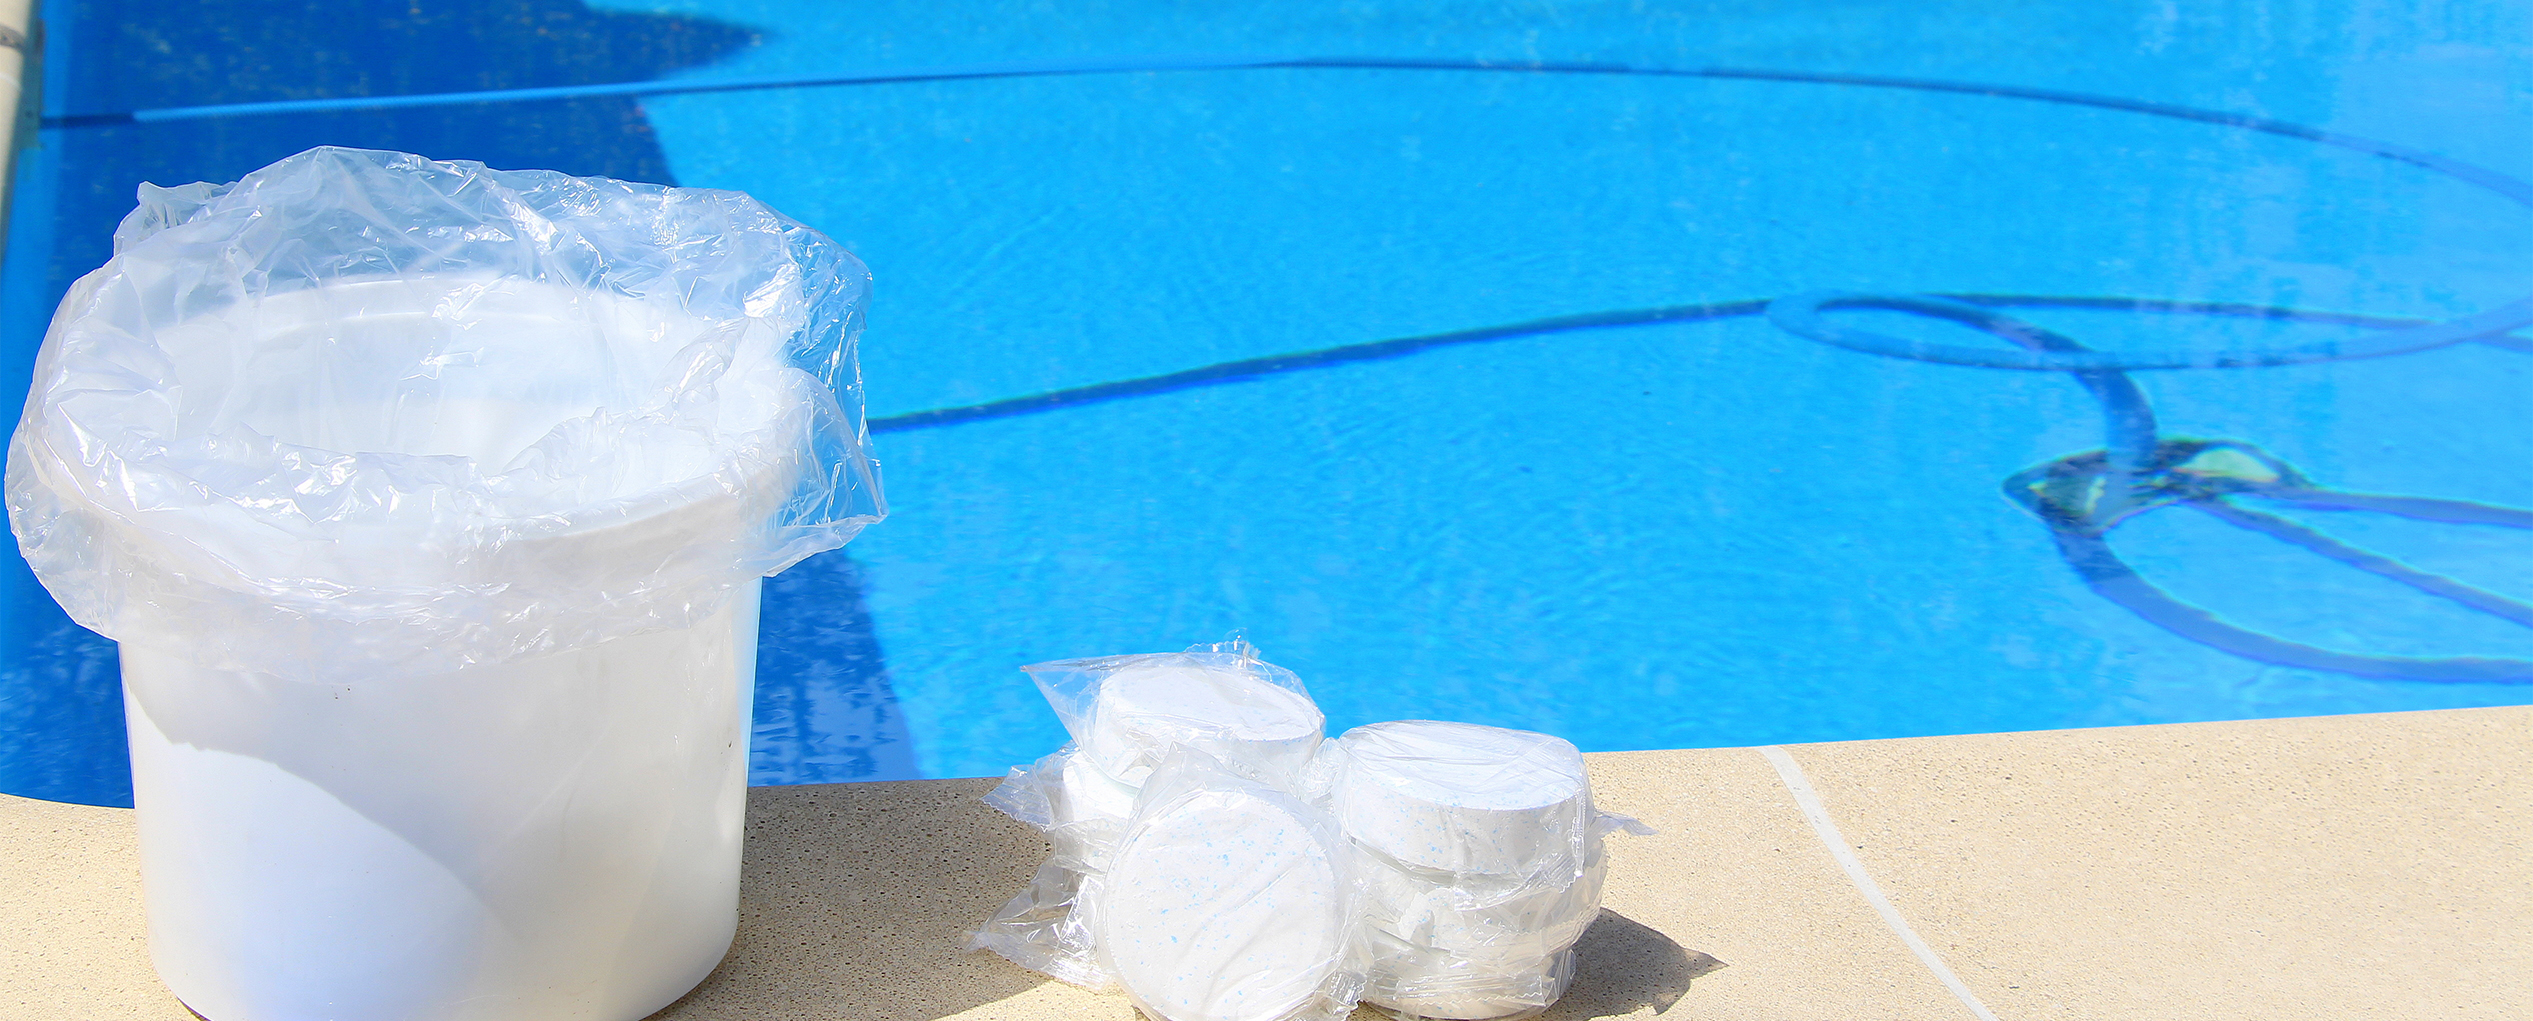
(1150, 64)
(1253, 368)
(2483, 177)
(1246, 369)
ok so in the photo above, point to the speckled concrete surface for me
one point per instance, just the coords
(858, 897)
(2371, 866)
(70, 909)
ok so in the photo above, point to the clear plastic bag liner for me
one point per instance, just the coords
(1229, 899)
(1126, 713)
(366, 409)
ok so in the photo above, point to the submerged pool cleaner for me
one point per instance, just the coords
(2083, 497)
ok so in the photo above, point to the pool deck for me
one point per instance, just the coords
(2347, 867)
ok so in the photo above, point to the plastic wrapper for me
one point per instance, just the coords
(1459, 797)
(365, 410)
(1128, 712)
(1083, 813)
(1463, 946)
(1467, 860)
(1253, 716)
(1481, 856)
(1229, 900)
(1041, 929)
(1413, 983)
(1081, 810)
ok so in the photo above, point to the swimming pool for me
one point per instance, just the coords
(1453, 385)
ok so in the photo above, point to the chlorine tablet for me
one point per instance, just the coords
(1505, 919)
(1142, 711)
(1224, 905)
(1084, 794)
(1458, 797)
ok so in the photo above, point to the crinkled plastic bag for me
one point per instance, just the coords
(1433, 870)
(364, 408)
(1043, 928)
(1131, 713)
(1081, 810)
(1481, 858)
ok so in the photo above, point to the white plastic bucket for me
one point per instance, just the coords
(429, 503)
(550, 838)
(535, 839)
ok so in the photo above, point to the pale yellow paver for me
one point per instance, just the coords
(1768, 925)
(2331, 867)
(860, 895)
(71, 943)
(2368, 867)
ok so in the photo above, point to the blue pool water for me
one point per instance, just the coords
(1699, 529)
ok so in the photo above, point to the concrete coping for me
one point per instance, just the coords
(2353, 866)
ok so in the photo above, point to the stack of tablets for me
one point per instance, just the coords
(1480, 858)
(1218, 861)
(1124, 808)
